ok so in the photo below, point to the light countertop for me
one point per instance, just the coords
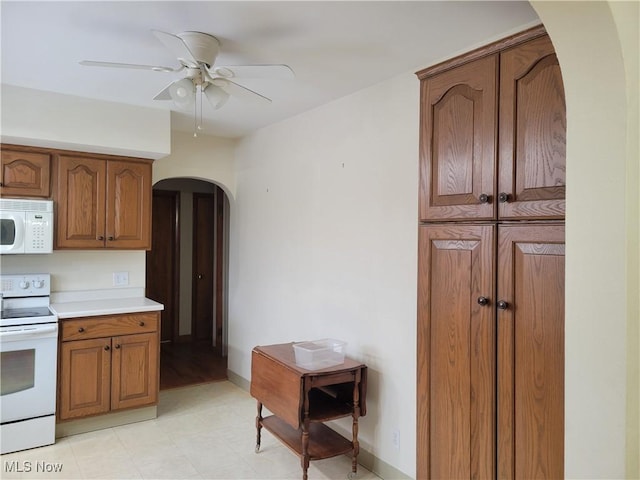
(107, 306)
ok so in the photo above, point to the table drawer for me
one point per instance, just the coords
(108, 326)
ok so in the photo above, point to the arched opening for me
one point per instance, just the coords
(186, 271)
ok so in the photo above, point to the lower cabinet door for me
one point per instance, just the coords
(85, 378)
(456, 352)
(134, 370)
(530, 319)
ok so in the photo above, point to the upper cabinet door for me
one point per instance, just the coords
(532, 133)
(25, 173)
(457, 142)
(128, 205)
(80, 196)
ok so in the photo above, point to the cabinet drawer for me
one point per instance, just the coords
(109, 325)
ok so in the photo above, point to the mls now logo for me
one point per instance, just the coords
(16, 466)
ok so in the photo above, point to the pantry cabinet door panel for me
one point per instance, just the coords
(532, 133)
(531, 351)
(457, 142)
(79, 196)
(128, 207)
(456, 352)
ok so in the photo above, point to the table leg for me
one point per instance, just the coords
(258, 426)
(304, 459)
(354, 428)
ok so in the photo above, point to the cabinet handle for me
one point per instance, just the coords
(81, 329)
(117, 346)
(141, 324)
(100, 237)
(107, 348)
(502, 305)
(503, 197)
(110, 238)
(483, 301)
(484, 198)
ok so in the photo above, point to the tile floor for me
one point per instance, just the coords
(204, 431)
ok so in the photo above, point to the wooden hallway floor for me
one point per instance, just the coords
(183, 364)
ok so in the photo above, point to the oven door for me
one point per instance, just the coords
(28, 371)
(12, 225)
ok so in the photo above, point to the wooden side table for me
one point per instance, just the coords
(301, 400)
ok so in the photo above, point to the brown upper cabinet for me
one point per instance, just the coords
(484, 118)
(24, 173)
(102, 202)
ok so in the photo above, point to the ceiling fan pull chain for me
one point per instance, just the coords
(200, 124)
(195, 116)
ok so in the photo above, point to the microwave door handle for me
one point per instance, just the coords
(19, 222)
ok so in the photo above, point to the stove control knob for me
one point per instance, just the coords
(24, 284)
(38, 283)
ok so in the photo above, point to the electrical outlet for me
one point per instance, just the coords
(396, 439)
(120, 279)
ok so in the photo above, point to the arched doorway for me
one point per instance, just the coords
(186, 271)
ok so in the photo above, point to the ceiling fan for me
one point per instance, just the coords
(197, 52)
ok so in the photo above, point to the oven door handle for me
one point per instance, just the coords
(13, 335)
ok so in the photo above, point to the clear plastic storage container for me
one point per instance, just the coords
(319, 354)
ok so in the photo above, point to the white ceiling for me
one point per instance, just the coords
(334, 47)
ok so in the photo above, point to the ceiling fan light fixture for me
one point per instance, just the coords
(183, 92)
(217, 96)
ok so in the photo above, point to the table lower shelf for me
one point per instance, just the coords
(323, 441)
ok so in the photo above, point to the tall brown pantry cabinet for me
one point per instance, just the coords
(490, 366)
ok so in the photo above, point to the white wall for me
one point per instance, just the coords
(324, 244)
(202, 157)
(34, 117)
(80, 270)
(602, 240)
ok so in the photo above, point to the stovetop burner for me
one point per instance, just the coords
(25, 312)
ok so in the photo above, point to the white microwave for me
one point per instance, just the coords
(26, 226)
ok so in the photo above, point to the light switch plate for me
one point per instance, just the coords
(120, 279)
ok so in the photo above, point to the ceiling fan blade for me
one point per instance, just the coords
(155, 68)
(275, 71)
(239, 91)
(177, 46)
(165, 94)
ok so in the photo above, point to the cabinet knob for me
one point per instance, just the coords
(200, 276)
(503, 197)
(110, 238)
(107, 348)
(81, 329)
(100, 237)
(141, 324)
(484, 198)
(117, 346)
(502, 305)
(483, 301)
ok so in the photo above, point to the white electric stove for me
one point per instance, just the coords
(28, 346)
